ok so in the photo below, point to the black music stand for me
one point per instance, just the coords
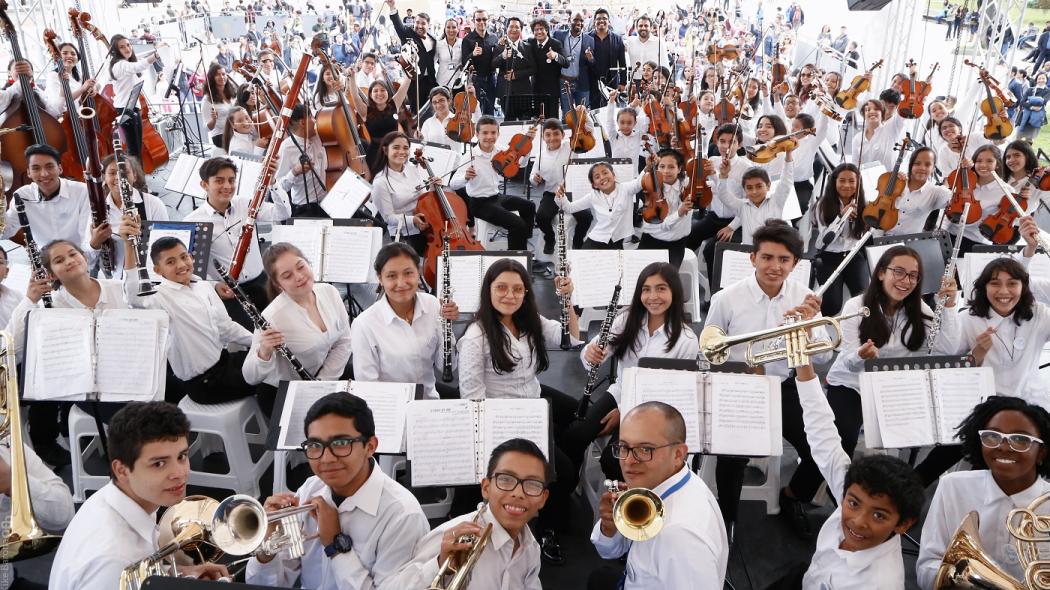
(199, 247)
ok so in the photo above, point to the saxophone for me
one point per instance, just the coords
(128, 206)
(603, 341)
(446, 324)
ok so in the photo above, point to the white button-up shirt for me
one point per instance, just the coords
(751, 216)
(744, 307)
(989, 196)
(433, 130)
(500, 567)
(625, 146)
(613, 213)
(66, 216)
(199, 328)
(306, 184)
(880, 148)
(674, 226)
(478, 379)
(653, 49)
(222, 111)
(957, 494)
(395, 195)
(323, 353)
(226, 230)
(693, 527)
(877, 568)
(446, 55)
(9, 300)
(915, 206)
(645, 345)
(1014, 355)
(384, 521)
(156, 210)
(108, 533)
(550, 166)
(387, 348)
(110, 296)
(53, 96)
(125, 75)
(486, 183)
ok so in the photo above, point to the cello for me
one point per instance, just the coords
(442, 209)
(882, 212)
(72, 160)
(337, 129)
(24, 110)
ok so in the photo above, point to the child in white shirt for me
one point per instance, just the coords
(753, 210)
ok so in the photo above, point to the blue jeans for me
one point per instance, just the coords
(580, 95)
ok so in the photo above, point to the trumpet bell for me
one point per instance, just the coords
(713, 345)
(638, 514)
(967, 565)
(239, 524)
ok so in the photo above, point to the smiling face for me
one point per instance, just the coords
(421, 25)
(514, 30)
(507, 292)
(668, 169)
(481, 19)
(379, 95)
(656, 296)
(112, 179)
(46, 172)
(175, 264)
(868, 520)
(487, 135)
(872, 115)
(1015, 161)
(773, 263)
(1004, 293)
(241, 122)
(294, 275)
(1011, 469)
(846, 185)
(340, 473)
(552, 138)
(922, 167)
(899, 278)
(755, 190)
(514, 509)
(985, 164)
(124, 48)
(540, 33)
(397, 152)
(451, 30)
(66, 262)
(220, 188)
(159, 475)
(603, 179)
(399, 278)
(765, 131)
(69, 56)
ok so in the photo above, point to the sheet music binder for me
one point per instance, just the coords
(468, 296)
(199, 247)
(935, 248)
(321, 258)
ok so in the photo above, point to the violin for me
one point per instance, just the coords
(442, 209)
(778, 74)
(999, 226)
(655, 208)
(764, 153)
(461, 127)
(882, 212)
(696, 170)
(583, 140)
(507, 162)
(716, 54)
(847, 98)
(914, 93)
(962, 181)
(997, 121)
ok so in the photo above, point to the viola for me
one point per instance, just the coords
(847, 98)
(446, 215)
(655, 208)
(882, 212)
(993, 107)
(507, 162)
(461, 126)
(575, 120)
(914, 93)
(764, 153)
(337, 129)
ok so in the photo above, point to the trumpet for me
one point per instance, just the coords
(240, 524)
(796, 348)
(460, 565)
(638, 513)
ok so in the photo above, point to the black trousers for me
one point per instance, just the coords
(849, 417)
(855, 277)
(675, 249)
(132, 131)
(223, 382)
(546, 213)
(804, 190)
(590, 244)
(498, 210)
(255, 289)
(729, 472)
(485, 86)
(704, 230)
(940, 459)
(579, 435)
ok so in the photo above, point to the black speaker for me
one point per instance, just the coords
(867, 4)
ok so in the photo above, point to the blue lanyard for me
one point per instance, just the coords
(664, 496)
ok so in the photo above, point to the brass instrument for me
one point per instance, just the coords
(460, 565)
(240, 524)
(796, 348)
(967, 565)
(638, 513)
(23, 538)
(189, 522)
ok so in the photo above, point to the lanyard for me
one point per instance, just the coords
(664, 496)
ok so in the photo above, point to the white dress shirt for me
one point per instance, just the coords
(156, 210)
(915, 206)
(9, 299)
(653, 49)
(751, 216)
(877, 568)
(244, 143)
(500, 567)
(433, 130)
(478, 379)
(387, 348)
(737, 168)
(323, 353)
(848, 365)
(305, 185)
(625, 146)
(989, 196)
(613, 212)
(66, 216)
(384, 521)
(674, 226)
(1014, 355)
(199, 326)
(843, 241)
(550, 166)
(645, 345)
(880, 147)
(744, 307)
(957, 494)
(447, 59)
(110, 296)
(222, 111)
(226, 230)
(54, 98)
(109, 532)
(125, 75)
(486, 183)
(948, 159)
(693, 527)
(396, 194)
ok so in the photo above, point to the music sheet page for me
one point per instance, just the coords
(675, 388)
(956, 392)
(465, 276)
(389, 405)
(441, 442)
(308, 237)
(516, 418)
(594, 274)
(60, 353)
(247, 177)
(346, 196)
(902, 405)
(348, 254)
(740, 414)
(297, 401)
(126, 345)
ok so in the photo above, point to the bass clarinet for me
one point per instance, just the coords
(949, 273)
(603, 341)
(262, 186)
(563, 272)
(446, 324)
(39, 272)
(145, 284)
(259, 321)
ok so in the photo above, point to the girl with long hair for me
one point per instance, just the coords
(220, 98)
(843, 195)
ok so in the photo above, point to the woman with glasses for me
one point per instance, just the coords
(500, 356)
(898, 325)
(1003, 439)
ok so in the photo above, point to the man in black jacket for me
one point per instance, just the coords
(478, 48)
(426, 45)
(514, 62)
(610, 61)
(549, 61)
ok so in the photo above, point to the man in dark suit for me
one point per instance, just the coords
(610, 60)
(578, 48)
(547, 56)
(426, 45)
(478, 47)
(514, 62)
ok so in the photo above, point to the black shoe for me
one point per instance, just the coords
(794, 512)
(548, 248)
(53, 455)
(550, 548)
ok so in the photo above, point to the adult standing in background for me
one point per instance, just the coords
(426, 45)
(610, 62)
(515, 64)
(478, 47)
(548, 59)
(449, 54)
(579, 50)
(644, 47)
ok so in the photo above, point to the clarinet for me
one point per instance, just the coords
(39, 272)
(949, 272)
(260, 322)
(603, 341)
(446, 324)
(145, 284)
(563, 272)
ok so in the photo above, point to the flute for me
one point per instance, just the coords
(842, 265)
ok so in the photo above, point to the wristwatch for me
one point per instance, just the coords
(341, 544)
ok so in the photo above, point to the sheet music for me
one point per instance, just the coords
(487, 261)
(956, 392)
(442, 158)
(598, 151)
(348, 253)
(155, 233)
(740, 414)
(869, 176)
(297, 401)
(60, 353)
(516, 418)
(389, 405)
(346, 196)
(634, 261)
(441, 436)
(902, 405)
(675, 388)
(126, 344)
(182, 173)
(248, 173)
(971, 265)
(18, 274)
(508, 131)
(307, 237)
(465, 277)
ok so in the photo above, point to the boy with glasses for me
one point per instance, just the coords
(514, 491)
(365, 525)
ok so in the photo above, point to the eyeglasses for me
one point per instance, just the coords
(507, 483)
(340, 446)
(900, 274)
(992, 439)
(641, 454)
(516, 291)
(481, 20)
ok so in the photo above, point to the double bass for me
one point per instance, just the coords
(72, 160)
(24, 110)
(337, 130)
(446, 217)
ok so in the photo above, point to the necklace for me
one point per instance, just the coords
(1015, 342)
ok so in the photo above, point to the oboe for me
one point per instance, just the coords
(145, 284)
(39, 272)
(259, 321)
(446, 324)
(949, 272)
(563, 272)
(603, 341)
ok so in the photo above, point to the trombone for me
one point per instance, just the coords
(454, 573)
(638, 513)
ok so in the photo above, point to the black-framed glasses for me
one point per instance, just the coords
(1019, 442)
(507, 483)
(900, 274)
(641, 453)
(341, 446)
